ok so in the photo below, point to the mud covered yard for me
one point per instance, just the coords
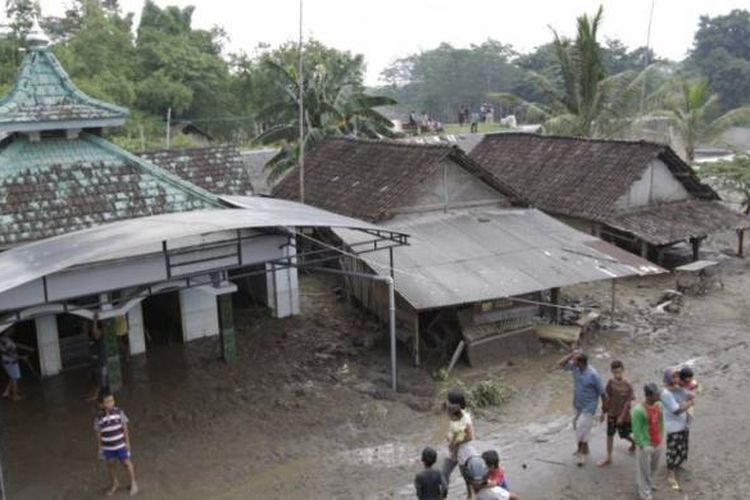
(306, 412)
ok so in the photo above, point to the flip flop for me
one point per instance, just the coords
(673, 484)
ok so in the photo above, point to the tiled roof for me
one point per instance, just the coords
(671, 222)
(58, 185)
(578, 177)
(43, 97)
(365, 178)
(217, 169)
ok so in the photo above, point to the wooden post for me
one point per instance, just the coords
(644, 249)
(612, 307)
(696, 243)
(740, 243)
(555, 299)
(416, 340)
(114, 372)
(226, 328)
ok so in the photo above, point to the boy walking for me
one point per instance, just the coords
(113, 438)
(9, 356)
(619, 395)
(430, 483)
(648, 432)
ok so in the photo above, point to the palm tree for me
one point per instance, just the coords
(692, 111)
(582, 100)
(335, 105)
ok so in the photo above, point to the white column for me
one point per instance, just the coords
(283, 287)
(200, 314)
(48, 344)
(136, 338)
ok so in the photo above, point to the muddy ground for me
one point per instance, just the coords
(306, 412)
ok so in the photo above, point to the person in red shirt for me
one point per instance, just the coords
(648, 433)
(496, 473)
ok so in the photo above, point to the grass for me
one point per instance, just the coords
(455, 128)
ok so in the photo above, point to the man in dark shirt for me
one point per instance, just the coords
(430, 483)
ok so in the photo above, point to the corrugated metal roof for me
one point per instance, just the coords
(483, 254)
(26, 263)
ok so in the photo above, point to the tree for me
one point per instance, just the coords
(694, 112)
(335, 102)
(440, 80)
(580, 98)
(721, 52)
(180, 67)
(732, 174)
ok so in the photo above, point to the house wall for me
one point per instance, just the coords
(657, 185)
(450, 187)
(132, 272)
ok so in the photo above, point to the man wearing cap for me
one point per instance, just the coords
(587, 389)
(647, 421)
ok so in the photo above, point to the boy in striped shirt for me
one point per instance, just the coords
(111, 426)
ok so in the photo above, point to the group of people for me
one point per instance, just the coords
(425, 123)
(485, 113)
(662, 416)
(482, 473)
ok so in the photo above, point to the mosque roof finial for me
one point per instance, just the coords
(36, 37)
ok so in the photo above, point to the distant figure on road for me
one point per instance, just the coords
(430, 483)
(474, 122)
(676, 402)
(587, 389)
(648, 433)
(461, 115)
(111, 427)
(619, 395)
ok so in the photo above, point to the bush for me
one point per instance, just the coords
(491, 392)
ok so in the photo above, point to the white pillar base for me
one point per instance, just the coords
(283, 288)
(200, 314)
(48, 344)
(136, 337)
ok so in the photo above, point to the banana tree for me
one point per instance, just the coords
(335, 104)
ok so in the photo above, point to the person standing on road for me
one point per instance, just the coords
(587, 389)
(676, 402)
(647, 421)
(459, 450)
(619, 395)
(430, 483)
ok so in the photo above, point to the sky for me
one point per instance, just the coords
(384, 30)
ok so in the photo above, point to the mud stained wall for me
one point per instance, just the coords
(373, 296)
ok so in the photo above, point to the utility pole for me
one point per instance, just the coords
(300, 85)
(169, 124)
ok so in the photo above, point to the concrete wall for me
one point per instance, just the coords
(136, 337)
(200, 314)
(283, 288)
(657, 185)
(48, 345)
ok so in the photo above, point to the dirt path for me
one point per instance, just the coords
(306, 413)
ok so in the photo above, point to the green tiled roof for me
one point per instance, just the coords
(44, 98)
(58, 185)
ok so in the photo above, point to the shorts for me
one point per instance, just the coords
(582, 424)
(13, 370)
(623, 430)
(122, 454)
